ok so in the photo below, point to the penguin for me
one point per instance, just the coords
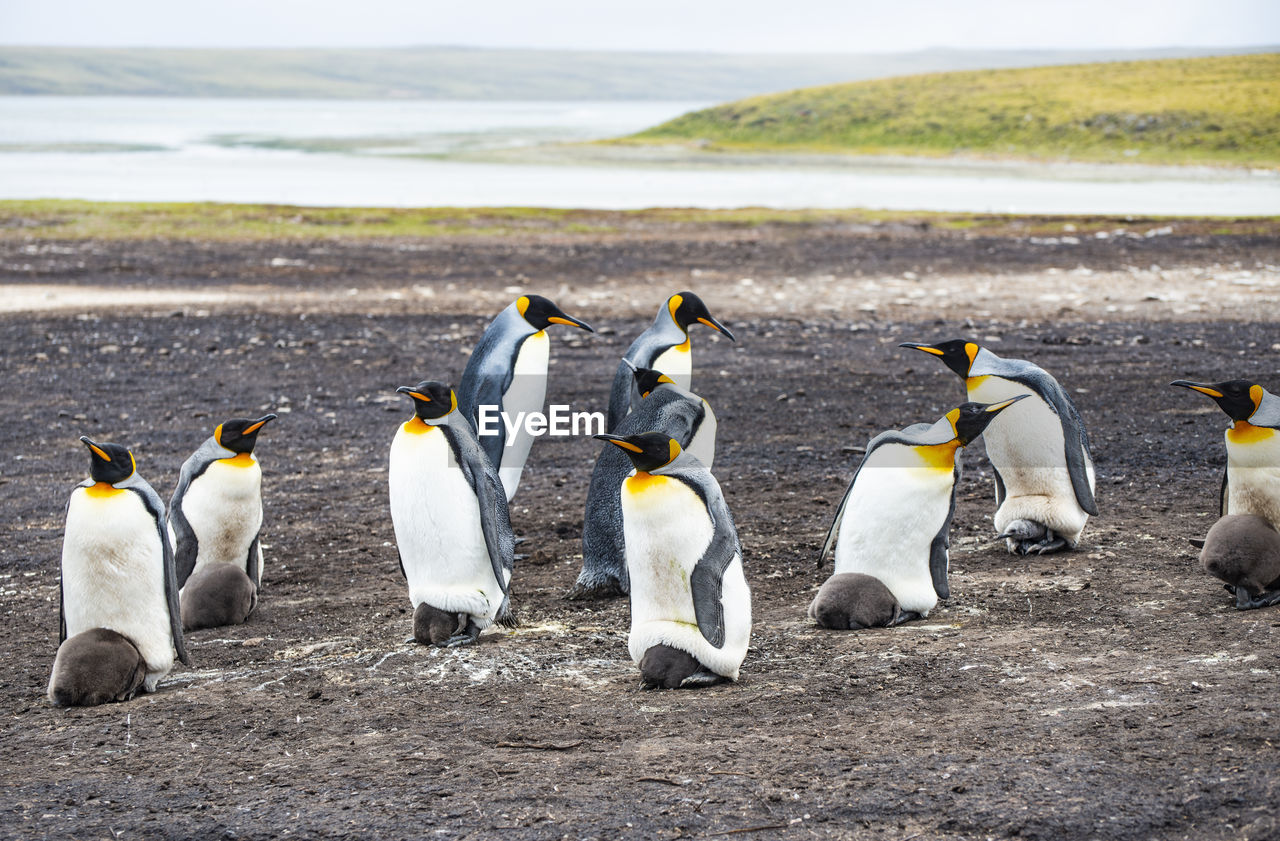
(1243, 550)
(217, 595)
(452, 528)
(893, 521)
(663, 347)
(95, 667)
(666, 408)
(215, 518)
(1039, 451)
(1251, 480)
(507, 373)
(853, 601)
(690, 605)
(117, 564)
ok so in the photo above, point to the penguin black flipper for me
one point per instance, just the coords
(156, 508)
(1075, 438)
(1223, 496)
(891, 436)
(1000, 491)
(188, 545)
(706, 582)
(495, 518)
(253, 565)
(938, 557)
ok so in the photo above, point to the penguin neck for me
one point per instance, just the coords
(240, 460)
(939, 456)
(417, 426)
(972, 383)
(1245, 433)
(643, 481)
(102, 490)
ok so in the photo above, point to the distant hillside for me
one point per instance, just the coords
(458, 73)
(1205, 110)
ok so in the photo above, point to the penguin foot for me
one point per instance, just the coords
(702, 678)
(1245, 601)
(1022, 537)
(906, 616)
(609, 588)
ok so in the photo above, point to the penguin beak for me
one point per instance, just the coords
(97, 451)
(416, 395)
(565, 318)
(259, 423)
(619, 440)
(714, 323)
(995, 408)
(1203, 388)
(923, 347)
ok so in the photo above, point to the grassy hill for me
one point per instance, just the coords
(492, 74)
(1222, 110)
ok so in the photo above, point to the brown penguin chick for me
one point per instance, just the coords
(852, 601)
(433, 626)
(664, 667)
(94, 667)
(217, 594)
(1244, 551)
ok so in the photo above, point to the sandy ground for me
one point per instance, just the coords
(1110, 692)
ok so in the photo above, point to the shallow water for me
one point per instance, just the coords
(419, 153)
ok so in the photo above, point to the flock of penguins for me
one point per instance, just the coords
(656, 527)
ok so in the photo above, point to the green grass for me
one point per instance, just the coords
(1222, 110)
(57, 219)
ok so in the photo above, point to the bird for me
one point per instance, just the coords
(664, 347)
(1243, 550)
(892, 523)
(666, 408)
(215, 519)
(452, 527)
(506, 376)
(1039, 451)
(690, 604)
(118, 568)
(1251, 480)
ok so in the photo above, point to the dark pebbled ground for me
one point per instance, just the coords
(1110, 692)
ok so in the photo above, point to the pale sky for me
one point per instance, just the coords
(843, 26)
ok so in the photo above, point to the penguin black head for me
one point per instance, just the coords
(109, 463)
(956, 354)
(648, 379)
(239, 435)
(1238, 398)
(970, 419)
(431, 400)
(687, 309)
(648, 450)
(541, 313)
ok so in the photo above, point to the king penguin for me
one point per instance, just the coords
(663, 347)
(1039, 451)
(117, 574)
(667, 408)
(892, 524)
(507, 376)
(1251, 482)
(690, 605)
(1243, 550)
(451, 522)
(215, 518)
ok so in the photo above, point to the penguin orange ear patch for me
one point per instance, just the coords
(522, 304)
(674, 450)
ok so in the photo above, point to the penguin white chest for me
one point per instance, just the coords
(677, 363)
(436, 517)
(223, 505)
(113, 573)
(1025, 443)
(525, 395)
(667, 531)
(1253, 471)
(899, 503)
